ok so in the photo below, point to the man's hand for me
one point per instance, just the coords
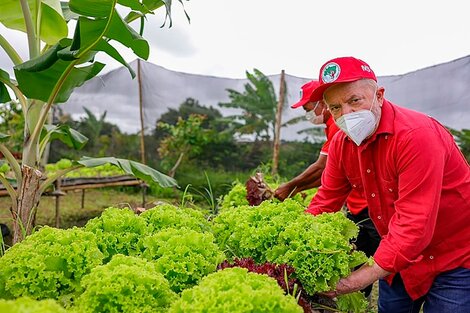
(284, 191)
(358, 280)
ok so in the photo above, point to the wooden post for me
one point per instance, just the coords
(57, 211)
(144, 193)
(277, 129)
(83, 199)
(142, 128)
(57, 193)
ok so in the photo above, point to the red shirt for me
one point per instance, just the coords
(356, 201)
(417, 184)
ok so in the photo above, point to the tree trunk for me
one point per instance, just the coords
(24, 215)
(277, 128)
(172, 172)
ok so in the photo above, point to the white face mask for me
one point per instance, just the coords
(313, 118)
(358, 125)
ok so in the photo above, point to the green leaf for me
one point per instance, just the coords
(4, 95)
(92, 8)
(122, 32)
(53, 25)
(134, 5)
(37, 78)
(133, 168)
(68, 14)
(3, 137)
(103, 45)
(94, 33)
(67, 135)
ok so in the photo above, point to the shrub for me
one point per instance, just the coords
(48, 264)
(125, 284)
(235, 290)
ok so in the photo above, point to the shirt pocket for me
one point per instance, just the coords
(390, 190)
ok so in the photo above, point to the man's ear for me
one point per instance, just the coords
(380, 95)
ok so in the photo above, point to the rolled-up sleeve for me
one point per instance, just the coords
(335, 186)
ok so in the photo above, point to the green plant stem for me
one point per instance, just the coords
(43, 144)
(45, 110)
(38, 24)
(32, 42)
(19, 95)
(10, 51)
(44, 185)
(11, 191)
(13, 162)
(318, 305)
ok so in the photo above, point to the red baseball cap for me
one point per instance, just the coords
(341, 70)
(306, 93)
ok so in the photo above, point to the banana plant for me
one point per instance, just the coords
(56, 65)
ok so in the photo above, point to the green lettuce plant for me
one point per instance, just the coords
(235, 290)
(26, 304)
(182, 255)
(125, 284)
(318, 247)
(250, 231)
(48, 264)
(169, 216)
(117, 231)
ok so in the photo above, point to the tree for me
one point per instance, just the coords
(186, 139)
(258, 103)
(213, 117)
(56, 66)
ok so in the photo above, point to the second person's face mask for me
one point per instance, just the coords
(313, 118)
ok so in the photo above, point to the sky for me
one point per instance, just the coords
(226, 38)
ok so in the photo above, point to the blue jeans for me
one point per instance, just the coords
(449, 293)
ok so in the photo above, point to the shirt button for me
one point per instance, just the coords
(386, 136)
(431, 257)
(372, 195)
(354, 186)
(379, 217)
(368, 170)
(390, 189)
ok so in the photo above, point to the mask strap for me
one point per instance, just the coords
(316, 106)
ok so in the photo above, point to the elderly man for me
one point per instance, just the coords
(368, 239)
(417, 185)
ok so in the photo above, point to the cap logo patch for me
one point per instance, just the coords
(330, 72)
(366, 68)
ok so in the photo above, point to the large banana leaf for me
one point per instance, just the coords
(54, 73)
(133, 168)
(39, 77)
(53, 25)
